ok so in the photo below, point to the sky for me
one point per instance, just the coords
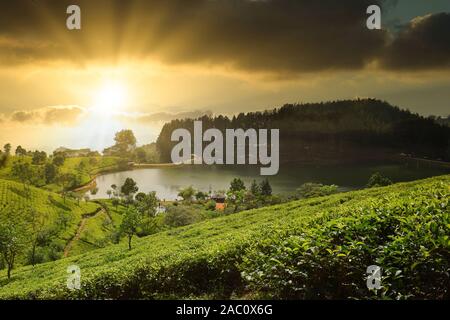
(140, 63)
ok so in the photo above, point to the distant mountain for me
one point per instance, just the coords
(334, 132)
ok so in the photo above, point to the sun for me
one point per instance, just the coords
(110, 98)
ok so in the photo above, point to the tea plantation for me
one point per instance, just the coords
(59, 217)
(318, 248)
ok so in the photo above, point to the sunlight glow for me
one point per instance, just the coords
(110, 98)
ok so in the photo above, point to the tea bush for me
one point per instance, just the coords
(311, 248)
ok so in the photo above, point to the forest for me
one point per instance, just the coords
(346, 131)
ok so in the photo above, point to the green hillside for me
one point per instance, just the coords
(315, 248)
(59, 218)
(84, 168)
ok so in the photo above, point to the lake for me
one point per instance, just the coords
(167, 181)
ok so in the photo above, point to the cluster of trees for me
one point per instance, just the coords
(38, 157)
(125, 147)
(346, 130)
(43, 170)
(32, 237)
(238, 197)
(140, 212)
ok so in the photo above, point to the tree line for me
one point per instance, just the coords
(344, 130)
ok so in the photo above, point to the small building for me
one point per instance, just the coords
(219, 199)
(74, 153)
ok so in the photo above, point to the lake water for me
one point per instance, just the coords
(167, 181)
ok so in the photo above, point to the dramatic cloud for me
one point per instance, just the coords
(277, 36)
(66, 115)
(424, 43)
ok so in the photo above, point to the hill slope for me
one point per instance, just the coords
(318, 248)
(84, 168)
(59, 218)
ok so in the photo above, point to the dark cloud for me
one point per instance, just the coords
(280, 36)
(50, 115)
(423, 44)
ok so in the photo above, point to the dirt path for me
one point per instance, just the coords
(80, 229)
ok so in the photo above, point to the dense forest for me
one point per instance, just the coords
(337, 131)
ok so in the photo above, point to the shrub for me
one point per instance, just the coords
(407, 238)
(178, 216)
(378, 180)
(310, 190)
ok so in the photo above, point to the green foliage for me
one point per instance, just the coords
(129, 187)
(310, 190)
(255, 188)
(49, 221)
(7, 148)
(237, 185)
(147, 154)
(132, 220)
(125, 139)
(266, 188)
(187, 193)
(39, 157)
(146, 203)
(3, 159)
(12, 241)
(178, 216)
(201, 196)
(312, 132)
(50, 172)
(378, 180)
(58, 160)
(318, 247)
(84, 173)
(20, 151)
(22, 171)
(406, 234)
(236, 198)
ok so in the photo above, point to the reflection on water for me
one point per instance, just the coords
(166, 181)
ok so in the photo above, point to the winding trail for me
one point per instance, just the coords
(80, 229)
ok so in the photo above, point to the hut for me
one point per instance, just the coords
(219, 199)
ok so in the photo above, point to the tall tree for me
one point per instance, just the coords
(66, 181)
(147, 203)
(125, 141)
(39, 157)
(36, 221)
(266, 188)
(12, 242)
(23, 171)
(129, 188)
(7, 148)
(21, 151)
(255, 189)
(237, 185)
(50, 172)
(130, 224)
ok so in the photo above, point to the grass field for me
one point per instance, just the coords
(316, 248)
